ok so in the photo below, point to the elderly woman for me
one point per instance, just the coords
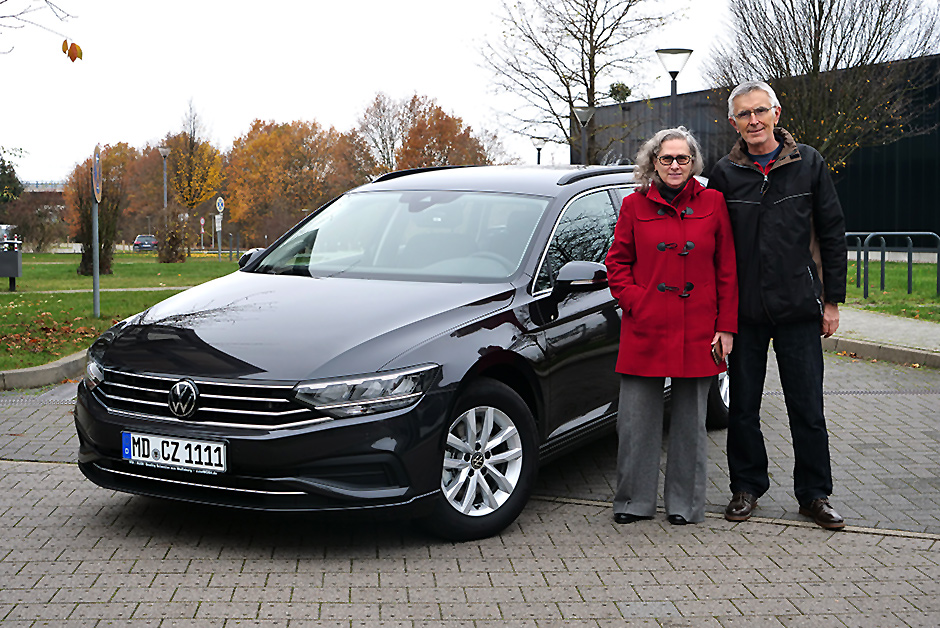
(672, 269)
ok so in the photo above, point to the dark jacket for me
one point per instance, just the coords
(673, 275)
(789, 233)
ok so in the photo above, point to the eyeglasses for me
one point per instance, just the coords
(667, 160)
(760, 112)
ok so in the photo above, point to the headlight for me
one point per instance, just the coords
(94, 374)
(367, 394)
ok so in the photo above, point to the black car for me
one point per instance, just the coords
(145, 243)
(422, 342)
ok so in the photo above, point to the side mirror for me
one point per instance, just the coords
(247, 256)
(579, 277)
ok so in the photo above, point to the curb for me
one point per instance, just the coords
(887, 353)
(72, 366)
(69, 367)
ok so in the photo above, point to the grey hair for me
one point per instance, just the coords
(645, 171)
(746, 88)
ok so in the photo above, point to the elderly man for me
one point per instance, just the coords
(789, 235)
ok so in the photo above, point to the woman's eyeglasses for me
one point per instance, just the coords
(667, 160)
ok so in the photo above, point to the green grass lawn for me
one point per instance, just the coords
(37, 327)
(923, 303)
(42, 322)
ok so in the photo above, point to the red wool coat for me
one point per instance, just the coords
(674, 275)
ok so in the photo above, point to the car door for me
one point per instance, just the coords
(579, 334)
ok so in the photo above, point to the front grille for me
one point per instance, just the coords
(259, 406)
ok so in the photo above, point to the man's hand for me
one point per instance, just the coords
(830, 320)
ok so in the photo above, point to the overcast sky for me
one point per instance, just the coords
(277, 60)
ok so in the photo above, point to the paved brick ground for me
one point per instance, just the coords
(72, 554)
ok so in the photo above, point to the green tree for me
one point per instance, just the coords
(10, 185)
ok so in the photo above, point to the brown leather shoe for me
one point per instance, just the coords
(823, 514)
(740, 507)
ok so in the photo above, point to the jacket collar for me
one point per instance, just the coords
(691, 190)
(789, 153)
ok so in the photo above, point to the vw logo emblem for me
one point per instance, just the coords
(183, 398)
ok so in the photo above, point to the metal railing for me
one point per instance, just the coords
(864, 247)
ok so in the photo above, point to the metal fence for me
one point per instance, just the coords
(863, 248)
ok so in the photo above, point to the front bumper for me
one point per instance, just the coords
(385, 461)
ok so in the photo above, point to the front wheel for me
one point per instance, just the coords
(489, 463)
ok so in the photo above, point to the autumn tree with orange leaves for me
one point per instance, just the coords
(436, 138)
(417, 132)
(79, 196)
(276, 173)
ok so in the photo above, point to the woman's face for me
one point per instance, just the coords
(674, 175)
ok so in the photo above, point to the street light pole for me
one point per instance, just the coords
(584, 115)
(164, 152)
(674, 59)
(539, 143)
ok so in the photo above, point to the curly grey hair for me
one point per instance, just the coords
(645, 172)
(748, 87)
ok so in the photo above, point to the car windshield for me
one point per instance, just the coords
(419, 235)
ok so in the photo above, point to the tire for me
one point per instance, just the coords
(718, 396)
(489, 462)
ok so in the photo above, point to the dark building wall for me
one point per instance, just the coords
(882, 188)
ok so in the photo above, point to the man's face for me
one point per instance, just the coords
(754, 118)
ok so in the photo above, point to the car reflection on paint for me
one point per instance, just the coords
(422, 343)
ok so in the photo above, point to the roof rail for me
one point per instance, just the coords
(388, 176)
(593, 171)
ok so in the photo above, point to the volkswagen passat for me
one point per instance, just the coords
(422, 342)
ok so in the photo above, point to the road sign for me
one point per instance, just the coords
(218, 222)
(202, 221)
(96, 173)
(219, 205)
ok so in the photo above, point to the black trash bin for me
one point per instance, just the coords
(11, 261)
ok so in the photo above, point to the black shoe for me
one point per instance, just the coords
(676, 520)
(625, 517)
(823, 514)
(740, 507)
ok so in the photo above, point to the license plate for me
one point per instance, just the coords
(178, 453)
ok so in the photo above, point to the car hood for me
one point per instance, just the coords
(268, 327)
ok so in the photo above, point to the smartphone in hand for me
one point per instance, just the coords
(716, 352)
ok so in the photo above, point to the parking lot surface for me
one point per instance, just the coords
(73, 554)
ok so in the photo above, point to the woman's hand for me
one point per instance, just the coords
(726, 339)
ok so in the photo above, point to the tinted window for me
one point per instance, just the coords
(584, 232)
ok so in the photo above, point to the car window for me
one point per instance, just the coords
(428, 235)
(584, 232)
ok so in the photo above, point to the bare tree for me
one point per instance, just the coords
(381, 125)
(17, 14)
(559, 54)
(847, 72)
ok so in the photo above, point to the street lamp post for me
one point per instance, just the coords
(539, 143)
(674, 59)
(584, 115)
(164, 152)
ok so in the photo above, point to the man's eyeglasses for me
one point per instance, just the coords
(760, 112)
(667, 160)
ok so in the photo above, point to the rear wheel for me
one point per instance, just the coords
(718, 402)
(489, 463)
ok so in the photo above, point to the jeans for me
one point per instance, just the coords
(799, 360)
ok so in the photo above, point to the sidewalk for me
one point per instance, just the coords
(869, 335)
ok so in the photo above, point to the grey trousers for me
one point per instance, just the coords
(640, 432)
